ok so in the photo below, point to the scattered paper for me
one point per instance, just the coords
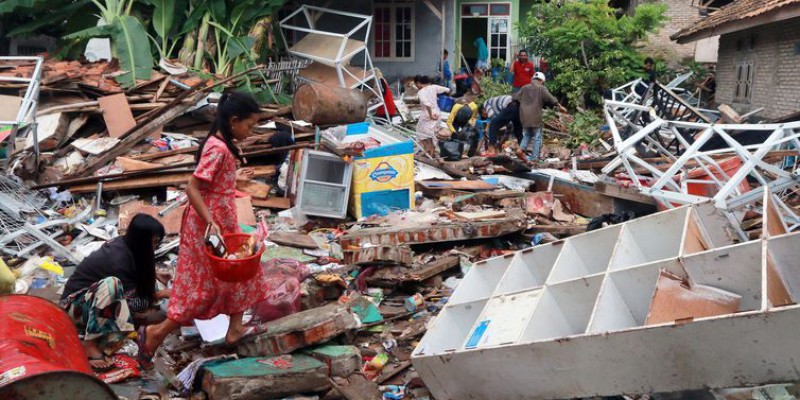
(214, 329)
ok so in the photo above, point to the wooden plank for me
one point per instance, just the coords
(293, 239)
(623, 193)
(777, 292)
(458, 185)
(262, 171)
(130, 164)
(171, 221)
(244, 211)
(117, 114)
(568, 230)
(281, 203)
(254, 189)
(168, 179)
(162, 154)
(481, 215)
(582, 199)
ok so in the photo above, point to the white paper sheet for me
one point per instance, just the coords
(213, 329)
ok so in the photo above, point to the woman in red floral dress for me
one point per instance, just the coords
(196, 293)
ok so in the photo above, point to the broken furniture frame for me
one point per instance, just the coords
(19, 237)
(289, 68)
(26, 116)
(336, 50)
(548, 321)
(685, 139)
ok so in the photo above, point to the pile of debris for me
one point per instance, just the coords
(368, 238)
(359, 272)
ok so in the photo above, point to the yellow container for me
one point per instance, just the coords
(383, 178)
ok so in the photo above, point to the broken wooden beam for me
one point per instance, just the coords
(442, 232)
(401, 255)
(161, 180)
(389, 277)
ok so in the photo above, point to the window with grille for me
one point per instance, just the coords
(744, 82)
(393, 37)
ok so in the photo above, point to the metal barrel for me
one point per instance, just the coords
(326, 105)
(41, 356)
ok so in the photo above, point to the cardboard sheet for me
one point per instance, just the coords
(675, 300)
(117, 114)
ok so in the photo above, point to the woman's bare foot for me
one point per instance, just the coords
(236, 329)
(234, 334)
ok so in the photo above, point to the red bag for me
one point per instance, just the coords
(284, 276)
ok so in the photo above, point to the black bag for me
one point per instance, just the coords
(469, 136)
(451, 150)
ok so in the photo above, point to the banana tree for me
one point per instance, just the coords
(127, 38)
(167, 16)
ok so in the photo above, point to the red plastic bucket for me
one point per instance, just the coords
(41, 356)
(235, 270)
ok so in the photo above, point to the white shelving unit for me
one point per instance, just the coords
(567, 319)
(332, 52)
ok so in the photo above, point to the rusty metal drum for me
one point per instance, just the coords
(327, 105)
(41, 356)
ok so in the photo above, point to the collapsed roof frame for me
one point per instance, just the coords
(670, 187)
(340, 48)
(26, 116)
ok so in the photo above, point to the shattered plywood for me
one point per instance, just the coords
(9, 107)
(388, 277)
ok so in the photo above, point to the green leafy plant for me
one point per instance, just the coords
(588, 45)
(584, 128)
(492, 88)
(498, 63)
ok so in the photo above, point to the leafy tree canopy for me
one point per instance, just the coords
(589, 45)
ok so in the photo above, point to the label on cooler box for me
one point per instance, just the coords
(383, 173)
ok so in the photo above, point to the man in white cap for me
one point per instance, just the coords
(532, 99)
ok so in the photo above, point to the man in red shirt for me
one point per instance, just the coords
(522, 69)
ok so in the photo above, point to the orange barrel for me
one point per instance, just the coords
(41, 356)
(326, 105)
